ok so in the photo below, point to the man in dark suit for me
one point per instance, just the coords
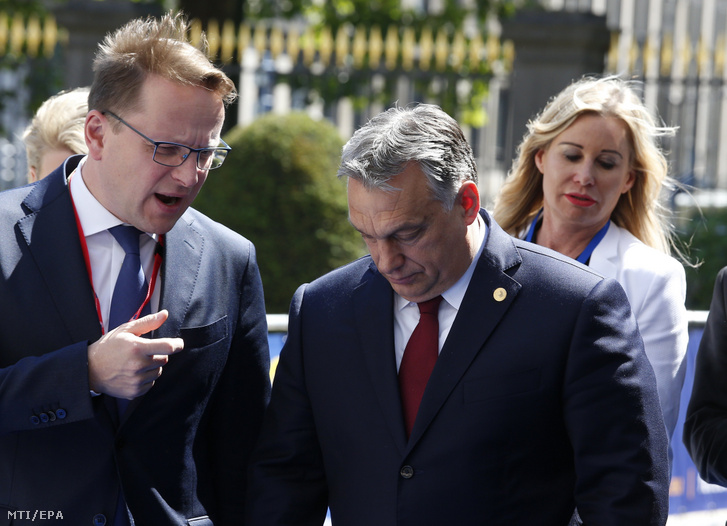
(705, 427)
(541, 399)
(91, 430)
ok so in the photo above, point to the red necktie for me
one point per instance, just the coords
(419, 358)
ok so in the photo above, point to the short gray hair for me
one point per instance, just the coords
(423, 134)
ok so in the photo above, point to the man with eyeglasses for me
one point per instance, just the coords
(107, 280)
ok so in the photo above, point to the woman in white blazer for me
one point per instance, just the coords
(588, 183)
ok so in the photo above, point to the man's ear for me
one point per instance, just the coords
(95, 128)
(469, 198)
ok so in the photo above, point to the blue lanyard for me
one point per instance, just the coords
(586, 254)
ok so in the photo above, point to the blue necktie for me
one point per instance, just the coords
(131, 288)
(129, 293)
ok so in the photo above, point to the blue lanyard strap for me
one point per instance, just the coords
(586, 254)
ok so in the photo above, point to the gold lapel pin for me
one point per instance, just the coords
(499, 294)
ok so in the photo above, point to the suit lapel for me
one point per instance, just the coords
(51, 235)
(182, 258)
(604, 258)
(373, 304)
(489, 295)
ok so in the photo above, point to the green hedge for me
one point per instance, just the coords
(278, 187)
(705, 233)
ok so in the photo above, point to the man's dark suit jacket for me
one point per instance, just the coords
(538, 403)
(181, 450)
(705, 427)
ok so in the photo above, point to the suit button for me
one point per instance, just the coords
(44, 418)
(51, 416)
(407, 472)
(34, 420)
(61, 413)
(99, 520)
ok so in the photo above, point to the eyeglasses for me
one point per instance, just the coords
(174, 154)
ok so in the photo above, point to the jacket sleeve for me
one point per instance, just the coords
(39, 392)
(287, 483)
(662, 317)
(705, 428)
(612, 414)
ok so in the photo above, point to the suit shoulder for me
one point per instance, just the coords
(211, 229)
(634, 255)
(547, 260)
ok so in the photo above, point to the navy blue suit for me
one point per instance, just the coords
(181, 450)
(538, 403)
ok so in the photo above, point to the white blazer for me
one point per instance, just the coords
(655, 284)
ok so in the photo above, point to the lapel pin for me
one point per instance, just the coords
(499, 294)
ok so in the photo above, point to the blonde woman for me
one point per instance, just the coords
(56, 132)
(587, 182)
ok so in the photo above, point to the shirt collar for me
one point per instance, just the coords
(94, 218)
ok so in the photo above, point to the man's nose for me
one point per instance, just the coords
(187, 174)
(389, 256)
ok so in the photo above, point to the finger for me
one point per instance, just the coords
(162, 346)
(147, 323)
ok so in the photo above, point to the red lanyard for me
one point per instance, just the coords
(87, 259)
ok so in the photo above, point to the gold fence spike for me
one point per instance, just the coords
(227, 41)
(243, 40)
(376, 46)
(260, 38)
(476, 52)
(213, 37)
(426, 49)
(342, 46)
(719, 56)
(50, 36)
(33, 36)
(458, 51)
(325, 46)
(441, 50)
(17, 35)
(508, 54)
(293, 44)
(4, 32)
(392, 47)
(359, 47)
(667, 55)
(612, 57)
(633, 54)
(408, 45)
(277, 42)
(309, 46)
(195, 32)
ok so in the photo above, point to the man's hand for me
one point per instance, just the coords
(125, 365)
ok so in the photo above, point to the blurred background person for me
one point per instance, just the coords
(588, 182)
(56, 132)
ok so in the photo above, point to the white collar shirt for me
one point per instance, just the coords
(406, 313)
(104, 252)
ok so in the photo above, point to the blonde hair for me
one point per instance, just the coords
(146, 47)
(57, 125)
(640, 210)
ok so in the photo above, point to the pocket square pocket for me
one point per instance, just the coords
(197, 337)
(501, 386)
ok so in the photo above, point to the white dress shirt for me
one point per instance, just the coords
(406, 313)
(104, 252)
